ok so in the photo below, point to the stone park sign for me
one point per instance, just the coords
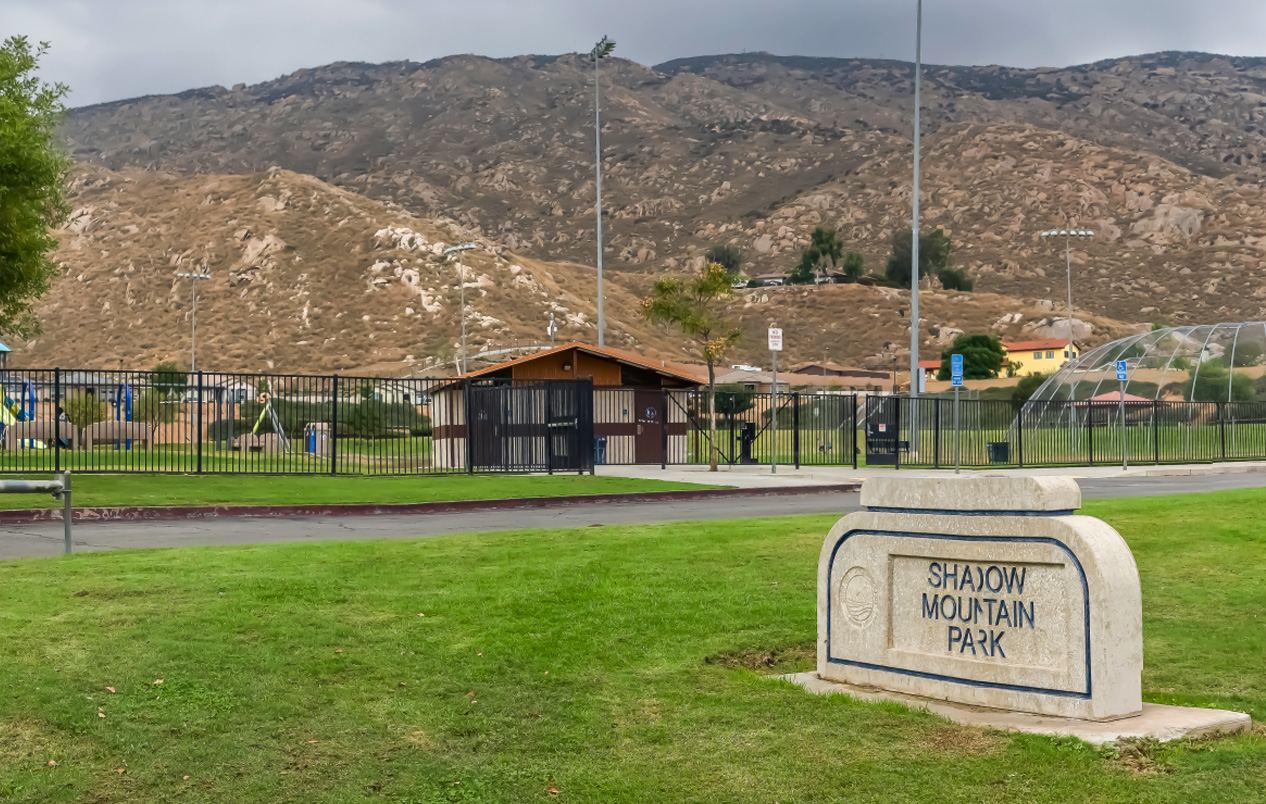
(986, 591)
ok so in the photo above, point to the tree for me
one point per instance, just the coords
(728, 256)
(822, 256)
(936, 253)
(697, 305)
(1212, 381)
(955, 279)
(854, 266)
(32, 183)
(1026, 387)
(733, 399)
(982, 357)
(1013, 367)
(169, 380)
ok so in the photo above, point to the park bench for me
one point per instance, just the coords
(108, 431)
(17, 435)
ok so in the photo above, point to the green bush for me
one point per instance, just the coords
(225, 429)
(84, 409)
(155, 407)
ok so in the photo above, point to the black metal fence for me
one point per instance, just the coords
(209, 423)
(234, 423)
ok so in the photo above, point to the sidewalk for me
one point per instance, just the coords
(752, 477)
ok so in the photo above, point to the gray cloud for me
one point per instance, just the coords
(123, 48)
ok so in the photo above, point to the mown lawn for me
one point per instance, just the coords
(154, 490)
(615, 664)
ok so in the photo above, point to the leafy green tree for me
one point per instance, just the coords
(936, 254)
(955, 279)
(697, 304)
(155, 407)
(32, 183)
(1026, 387)
(84, 409)
(169, 380)
(1212, 381)
(733, 399)
(728, 256)
(982, 357)
(824, 253)
(854, 266)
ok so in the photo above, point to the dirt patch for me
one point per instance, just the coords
(960, 740)
(802, 656)
(1136, 756)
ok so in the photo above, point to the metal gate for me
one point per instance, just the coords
(883, 430)
(535, 426)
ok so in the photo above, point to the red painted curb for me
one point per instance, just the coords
(137, 513)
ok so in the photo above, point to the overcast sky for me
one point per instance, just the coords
(112, 49)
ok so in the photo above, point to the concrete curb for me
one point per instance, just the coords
(169, 513)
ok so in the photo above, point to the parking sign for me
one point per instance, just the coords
(775, 339)
(956, 370)
(1121, 370)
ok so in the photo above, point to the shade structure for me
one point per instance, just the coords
(1201, 363)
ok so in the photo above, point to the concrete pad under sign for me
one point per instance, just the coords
(1157, 721)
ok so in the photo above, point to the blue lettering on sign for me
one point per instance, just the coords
(997, 612)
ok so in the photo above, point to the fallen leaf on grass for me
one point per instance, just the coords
(340, 650)
(186, 778)
(420, 614)
(553, 791)
(312, 742)
(52, 763)
(158, 681)
(470, 694)
(101, 714)
(121, 771)
(111, 689)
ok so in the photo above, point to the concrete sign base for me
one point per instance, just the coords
(1157, 721)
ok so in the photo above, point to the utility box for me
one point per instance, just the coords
(316, 439)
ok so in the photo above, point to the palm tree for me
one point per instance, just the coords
(697, 304)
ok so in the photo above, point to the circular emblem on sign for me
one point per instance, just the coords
(650, 413)
(858, 591)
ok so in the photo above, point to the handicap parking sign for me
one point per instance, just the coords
(956, 369)
(1121, 370)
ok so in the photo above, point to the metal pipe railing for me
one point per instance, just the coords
(59, 487)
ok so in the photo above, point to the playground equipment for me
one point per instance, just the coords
(123, 410)
(20, 411)
(266, 399)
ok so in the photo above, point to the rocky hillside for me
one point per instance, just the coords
(1161, 155)
(311, 278)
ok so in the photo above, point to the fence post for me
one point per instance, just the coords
(795, 426)
(57, 420)
(67, 511)
(896, 435)
(936, 433)
(197, 422)
(1019, 435)
(663, 429)
(334, 425)
(1156, 430)
(853, 430)
(1090, 431)
(1221, 430)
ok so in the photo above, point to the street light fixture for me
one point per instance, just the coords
(193, 319)
(1068, 235)
(599, 52)
(461, 283)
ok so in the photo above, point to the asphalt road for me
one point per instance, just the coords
(45, 539)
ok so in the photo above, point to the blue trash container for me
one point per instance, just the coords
(599, 451)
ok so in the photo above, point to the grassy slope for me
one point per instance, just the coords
(572, 659)
(113, 490)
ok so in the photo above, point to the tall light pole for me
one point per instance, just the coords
(599, 52)
(914, 246)
(461, 283)
(1068, 235)
(193, 318)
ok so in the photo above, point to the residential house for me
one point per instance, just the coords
(1040, 356)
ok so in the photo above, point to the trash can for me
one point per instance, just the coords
(999, 451)
(316, 439)
(747, 437)
(600, 451)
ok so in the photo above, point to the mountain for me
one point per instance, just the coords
(1160, 154)
(310, 278)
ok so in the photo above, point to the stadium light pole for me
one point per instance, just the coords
(599, 52)
(1068, 235)
(461, 283)
(914, 245)
(193, 317)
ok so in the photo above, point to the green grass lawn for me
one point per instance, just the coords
(615, 664)
(116, 490)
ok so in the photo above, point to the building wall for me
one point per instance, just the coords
(1043, 364)
(448, 435)
(569, 365)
